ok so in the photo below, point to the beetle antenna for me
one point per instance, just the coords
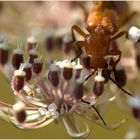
(120, 87)
(75, 58)
(95, 110)
(86, 79)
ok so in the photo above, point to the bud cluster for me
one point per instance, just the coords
(51, 91)
(67, 74)
(61, 92)
(60, 39)
(51, 111)
(28, 59)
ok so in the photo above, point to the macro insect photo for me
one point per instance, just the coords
(69, 69)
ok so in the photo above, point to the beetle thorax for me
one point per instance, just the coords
(97, 44)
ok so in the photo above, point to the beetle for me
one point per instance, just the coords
(103, 24)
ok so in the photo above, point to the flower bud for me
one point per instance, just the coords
(59, 34)
(136, 113)
(48, 114)
(49, 42)
(17, 58)
(19, 109)
(32, 55)
(55, 114)
(37, 65)
(86, 61)
(3, 54)
(53, 76)
(77, 73)
(133, 34)
(31, 43)
(135, 104)
(98, 87)
(52, 107)
(67, 71)
(78, 89)
(18, 80)
(28, 71)
(58, 42)
(120, 76)
(67, 44)
(106, 75)
(42, 110)
(78, 68)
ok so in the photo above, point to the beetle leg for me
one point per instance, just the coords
(77, 47)
(125, 91)
(78, 30)
(128, 18)
(84, 10)
(112, 53)
(118, 35)
(123, 23)
(95, 111)
(89, 76)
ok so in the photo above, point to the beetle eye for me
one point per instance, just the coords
(90, 28)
